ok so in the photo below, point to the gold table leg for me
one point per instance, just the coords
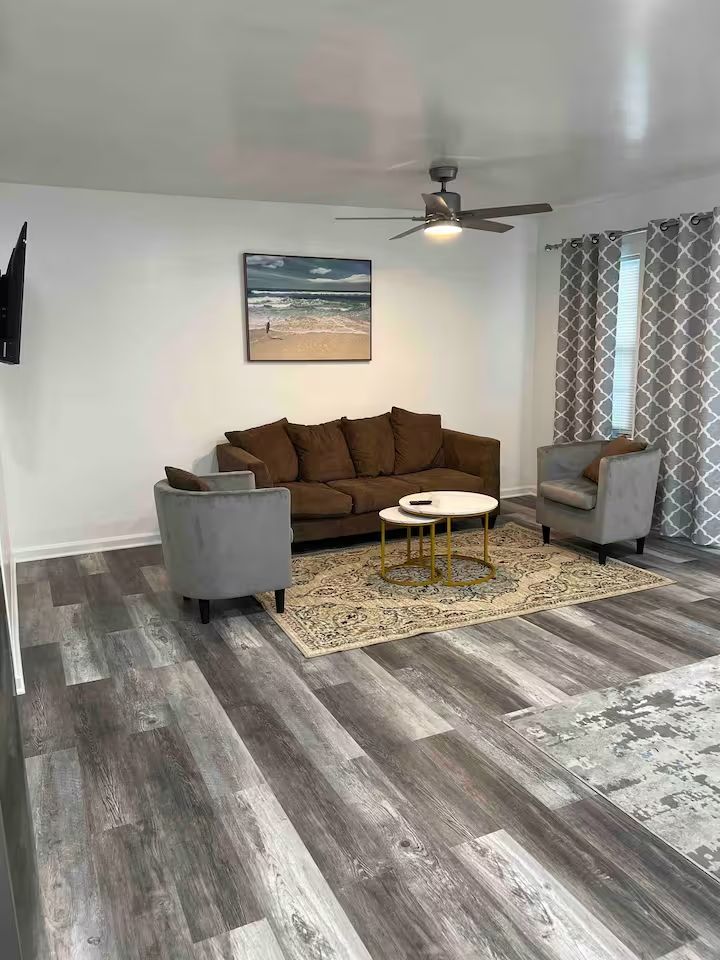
(485, 562)
(448, 545)
(410, 561)
(382, 547)
(433, 571)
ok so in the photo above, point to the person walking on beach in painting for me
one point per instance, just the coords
(267, 329)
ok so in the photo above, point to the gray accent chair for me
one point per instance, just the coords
(618, 507)
(226, 542)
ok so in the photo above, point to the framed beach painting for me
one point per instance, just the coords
(307, 308)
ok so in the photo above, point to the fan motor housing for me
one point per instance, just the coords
(450, 198)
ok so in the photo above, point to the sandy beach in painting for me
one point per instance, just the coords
(310, 346)
(323, 315)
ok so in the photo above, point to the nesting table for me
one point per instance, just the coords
(444, 506)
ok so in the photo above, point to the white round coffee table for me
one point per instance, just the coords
(445, 505)
(401, 518)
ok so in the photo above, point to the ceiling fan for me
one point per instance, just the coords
(444, 215)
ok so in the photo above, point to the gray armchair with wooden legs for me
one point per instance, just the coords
(226, 542)
(618, 507)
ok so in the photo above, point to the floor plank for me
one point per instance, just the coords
(38, 619)
(73, 915)
(548, 911)
(254, 941)
(210, 878)
(295, 897)
(139, 895)
(81, 645)
(45, 714)
(223, 758)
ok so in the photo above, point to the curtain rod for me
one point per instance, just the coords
(626, 233)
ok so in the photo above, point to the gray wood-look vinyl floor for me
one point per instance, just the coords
(204, 792)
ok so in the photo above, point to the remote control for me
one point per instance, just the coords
(417, 503)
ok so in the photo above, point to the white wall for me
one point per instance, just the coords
(133, 346)
(622, 213)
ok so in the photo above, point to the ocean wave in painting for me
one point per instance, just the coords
(315, 311)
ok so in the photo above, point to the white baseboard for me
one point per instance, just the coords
(518, 491)
(74, 547)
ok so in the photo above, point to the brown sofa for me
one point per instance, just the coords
(341, 473)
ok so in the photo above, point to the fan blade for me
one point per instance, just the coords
(436, 205)
(492, 226)
(407, 233)
(518, 210)
(379, 218)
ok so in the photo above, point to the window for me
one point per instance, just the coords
(626, 335)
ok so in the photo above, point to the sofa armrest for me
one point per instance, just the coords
(565, 461)
(232, 459)
(233, 480)
(479, 456)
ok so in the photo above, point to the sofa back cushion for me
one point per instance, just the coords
(372, 445)
(184, 480)
(418, 440)
(271, 444)
(615, 448)
(322, 451)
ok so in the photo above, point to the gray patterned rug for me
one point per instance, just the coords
(652, 747)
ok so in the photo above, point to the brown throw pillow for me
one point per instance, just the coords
(322, 451)
(615, 448)
(418, 440)
(184, 480)
(271, 444)
(372, 445)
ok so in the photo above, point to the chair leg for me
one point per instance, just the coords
(602, 554)
(204, 611)
(640, 544)
(280, 601)
(491, 520)
(546, 534)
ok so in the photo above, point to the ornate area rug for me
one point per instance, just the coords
(339, 601)
(652, 747)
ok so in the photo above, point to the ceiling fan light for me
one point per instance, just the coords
(443, 228)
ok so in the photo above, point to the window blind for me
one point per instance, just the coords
(626, 345)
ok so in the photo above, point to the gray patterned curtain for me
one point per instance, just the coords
(589, 277)
(678, 387)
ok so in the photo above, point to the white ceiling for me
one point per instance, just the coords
(347, 101)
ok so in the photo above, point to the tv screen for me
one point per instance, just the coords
(11, 301)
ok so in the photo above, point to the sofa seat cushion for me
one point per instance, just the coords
(373, 493)
(579, 493)
(312, 501)
(372, 445)
(271, 444)
(322, 451)
(443, 478)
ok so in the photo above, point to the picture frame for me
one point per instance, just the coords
(301, 309)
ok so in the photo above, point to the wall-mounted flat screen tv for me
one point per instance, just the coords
(11, 301)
